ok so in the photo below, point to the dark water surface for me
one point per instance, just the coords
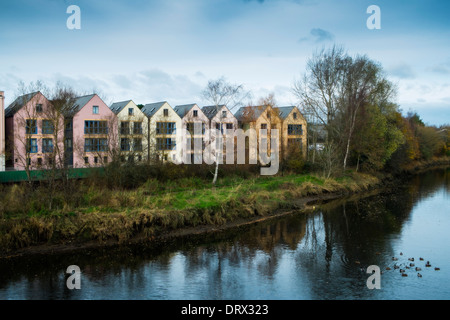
(322, 255)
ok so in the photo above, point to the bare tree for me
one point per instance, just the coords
(220, 92)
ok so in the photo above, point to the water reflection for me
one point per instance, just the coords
(318, 256)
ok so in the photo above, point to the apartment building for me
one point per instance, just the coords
(132, 131)
(163, 122)
(34, 133)
(192, 116)
(91, 137)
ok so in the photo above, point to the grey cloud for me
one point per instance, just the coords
(318, 35)
(402, 71)
(443, 68)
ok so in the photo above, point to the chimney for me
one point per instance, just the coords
(2, 131)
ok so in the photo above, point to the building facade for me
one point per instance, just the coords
(132, 131)
(91, 133)
(191, 117)
(293, 133)
(257, 118)
(163, 122)
(34, 133)
(221, 119)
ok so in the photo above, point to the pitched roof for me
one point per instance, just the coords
(250, 113)
(151, 108)
(79, 102)
(118, 106)
(183, 109)
(17, 104)
(211, 111)
(285, 111)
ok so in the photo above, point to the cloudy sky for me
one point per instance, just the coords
(157, 50)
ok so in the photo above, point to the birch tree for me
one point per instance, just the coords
(220, 92)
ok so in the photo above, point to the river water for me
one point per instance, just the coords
(322, 255)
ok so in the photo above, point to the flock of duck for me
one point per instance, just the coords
(410, 265)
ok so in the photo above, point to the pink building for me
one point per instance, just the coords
(34, 133)
(91, 132)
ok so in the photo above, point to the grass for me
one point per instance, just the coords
(102, 214)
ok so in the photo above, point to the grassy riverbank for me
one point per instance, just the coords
(157, 209)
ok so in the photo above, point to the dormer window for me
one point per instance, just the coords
(166, 112)
(294, 115)
(95, 109)
(38, 108)
(195, 113)
(224, 114)
(130, 111)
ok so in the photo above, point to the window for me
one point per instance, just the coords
(295, 129)
(137, 128)
(95, 109)
(195, 113)
(165, 144)
(31, 126)
(95, 144)
(47, 145)
(130, 111)
(86, 160)
(95, 127)
(263, 125)
(190, 127)
(294, 115)
(38, 108)
(124, 128)
(219, 126)
(139, 158)
(32, 146)
(95, 159)
(166, 112)
(137, 144)
(229, 126)
(69, 126)
(224, 114)
(273, 126)
(47, 127)
(124, 144)
(105, 159)
(39, 162)
(68, 144)
(165, 128)
(268, 114)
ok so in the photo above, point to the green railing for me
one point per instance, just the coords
(38, 175)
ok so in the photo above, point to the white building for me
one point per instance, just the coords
(162, 133)
(221, 119)
(191, 116)
(133, 131)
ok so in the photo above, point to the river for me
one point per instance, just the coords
(322, 255)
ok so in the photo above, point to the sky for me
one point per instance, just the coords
(167, 50)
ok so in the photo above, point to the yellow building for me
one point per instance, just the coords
(289, 121)
(293, 133)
